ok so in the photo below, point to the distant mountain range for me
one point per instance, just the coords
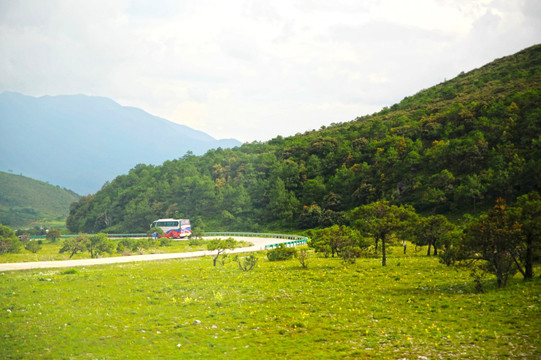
(80, 142)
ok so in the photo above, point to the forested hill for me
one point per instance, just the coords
(24, 200)
(450, 149)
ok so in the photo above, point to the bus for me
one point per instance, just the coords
(173, 228)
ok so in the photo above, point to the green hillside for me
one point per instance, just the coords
(24, 200)
(451, 149)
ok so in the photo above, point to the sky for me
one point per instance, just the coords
(253, 70)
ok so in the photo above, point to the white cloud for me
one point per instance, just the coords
(250, 69)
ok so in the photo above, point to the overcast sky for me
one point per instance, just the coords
(253, 70)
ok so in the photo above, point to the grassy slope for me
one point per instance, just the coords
(23, 200)
(414, 307)
(50, 251)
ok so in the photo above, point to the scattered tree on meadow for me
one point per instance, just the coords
(303, 255)
(338, 240)
(9, 242)
(431, 231)
(527, 212)
(33, 246)
(98, 244)
(382, 222)
(75, 244)
(493, 238)
(221, 245)
(197, 233)
(53, 235)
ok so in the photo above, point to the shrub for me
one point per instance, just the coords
(281, 253)
(99, 244)
(53, 235)
(165, 241)
(123, 245)
(9, 243)
(221, 246)
(33, 246)
(303, 255)
(195, 242)
(75, 245)
(246, 263)
(69, 272)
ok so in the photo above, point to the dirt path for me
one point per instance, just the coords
(259, 244)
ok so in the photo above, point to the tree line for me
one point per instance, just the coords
(502, 241)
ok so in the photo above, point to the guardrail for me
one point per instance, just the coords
(289, 243)
(296, 240)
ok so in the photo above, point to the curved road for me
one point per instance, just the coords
(259, 244)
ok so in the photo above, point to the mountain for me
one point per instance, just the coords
(24, 200)
(451, 149)
(80, 142)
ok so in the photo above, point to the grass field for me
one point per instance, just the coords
(50, 251)
(414, 308)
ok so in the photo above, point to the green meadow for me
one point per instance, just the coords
(415, 308)
(50, 251)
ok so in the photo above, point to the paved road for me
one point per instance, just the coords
(259, 244)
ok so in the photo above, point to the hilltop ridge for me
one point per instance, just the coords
(450, 149)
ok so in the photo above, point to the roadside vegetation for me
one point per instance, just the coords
(84, 247)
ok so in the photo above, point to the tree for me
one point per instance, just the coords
(98, 244)
(310, 216)
(493, 238)
(197, 233)
(338, 240)
(527, 212)
(9, 243)
(282, 203)
(53, 235)
(302, 255)
(471, 188)
(221, 246)
(75, 244)
(381, 221)
(33, 246)
(431, 231)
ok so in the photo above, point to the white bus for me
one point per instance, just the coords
(173, 228)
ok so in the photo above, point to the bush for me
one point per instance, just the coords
(123, 245)
(75, 245)
(303, 255)
(99, 244)
(246, 263)
(9, 243)
(33, 246)
(281, 253)
(165, 241)
(138, 245)
(195, 242)
(53, 235)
